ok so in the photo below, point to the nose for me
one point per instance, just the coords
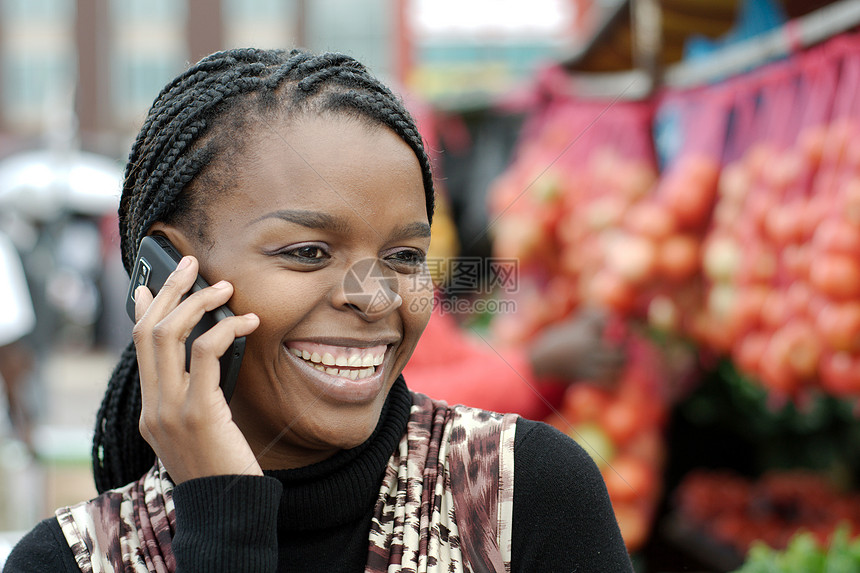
(370, 289)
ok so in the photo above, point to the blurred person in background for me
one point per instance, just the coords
(17, 320)
(454, 364)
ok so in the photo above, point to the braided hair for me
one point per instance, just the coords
(182, 157)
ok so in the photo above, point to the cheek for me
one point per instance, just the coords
(281, 300)
(417, 293)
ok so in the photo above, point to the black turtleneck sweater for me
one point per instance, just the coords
(317, 518)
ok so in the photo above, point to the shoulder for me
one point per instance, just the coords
(562, 515)
(44, 548)
(549, 465)
(543, 452)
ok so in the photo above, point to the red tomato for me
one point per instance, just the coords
(836, 275)
(798, 297)
(584, 403)
(648, 445)
(722, 255)
(746, 312)
(689, 190)
(850, 192)
(774, 368)
(610, 291)
(604, 213)
(775, 310)
(840, 374)
(735, 182)
(678, 257)
(804, 347)
(785, 224)
(635, 179)
(759, 265)
(632, 258)
(622, 420)
(839, 325)
(748, 351)
(797, 259)
(628, 478)
(651, 220)
(837, 235)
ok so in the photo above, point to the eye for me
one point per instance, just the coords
(305, 254)
(407, 260)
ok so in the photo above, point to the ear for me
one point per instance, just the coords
(176, 236)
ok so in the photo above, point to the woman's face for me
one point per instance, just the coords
(323, 236)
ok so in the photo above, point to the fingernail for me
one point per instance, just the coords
(183, 262)
(221, 284)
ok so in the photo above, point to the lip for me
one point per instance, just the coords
(337, 387)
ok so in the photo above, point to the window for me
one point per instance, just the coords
(362, 29)
(39, 64)
(149, 10)
(40, 10)
(148, 48)
(259, 23)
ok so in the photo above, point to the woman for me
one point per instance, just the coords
(279, 176)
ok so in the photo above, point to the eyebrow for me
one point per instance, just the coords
(324, 221)
(309, 219)
(413, 230)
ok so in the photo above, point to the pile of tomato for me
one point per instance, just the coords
(747, 241)
(744, 239)
(737, 511)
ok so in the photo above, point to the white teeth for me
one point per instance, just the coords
(355, 366)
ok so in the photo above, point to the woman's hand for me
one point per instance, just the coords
(184, 416)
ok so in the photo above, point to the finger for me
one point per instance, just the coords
(169, 336)
(149, 311)
(174, 288)
(207, 350)
(164, 326)
(142, 300)
(143, 348)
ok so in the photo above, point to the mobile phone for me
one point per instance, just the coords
(156, 259)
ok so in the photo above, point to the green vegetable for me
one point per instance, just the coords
(805, 555)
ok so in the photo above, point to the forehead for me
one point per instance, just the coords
(328, 163)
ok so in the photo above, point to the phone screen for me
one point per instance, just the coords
(156, 259)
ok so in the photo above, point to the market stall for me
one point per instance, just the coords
(716, 213)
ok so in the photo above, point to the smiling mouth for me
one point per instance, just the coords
(342, 361)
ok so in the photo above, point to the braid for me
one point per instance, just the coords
(194, 126)
(119, 455)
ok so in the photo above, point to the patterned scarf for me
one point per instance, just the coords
(445, 504)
